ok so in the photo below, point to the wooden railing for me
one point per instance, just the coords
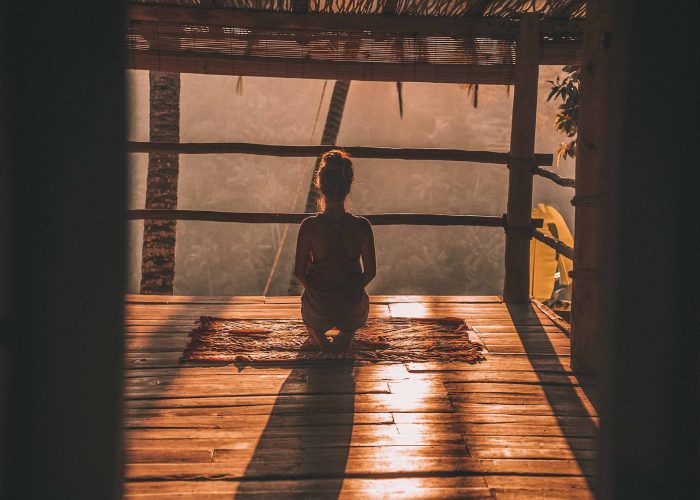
(555, 177)
(550, 241)
(554, 243)
(297, 218)
(436, 154)
(415, 219)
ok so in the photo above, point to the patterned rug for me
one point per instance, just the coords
(396, 340)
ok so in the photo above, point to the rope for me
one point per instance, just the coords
(297, 191)
(318, 112)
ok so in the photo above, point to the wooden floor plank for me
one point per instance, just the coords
(516, 425)
(424, 488)
(284, 466)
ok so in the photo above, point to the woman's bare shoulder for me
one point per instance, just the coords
(361, 223)
(309, 224)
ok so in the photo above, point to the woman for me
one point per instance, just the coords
(330, 247)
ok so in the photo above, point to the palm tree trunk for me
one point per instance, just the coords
(329, 137)
(158, 256)
(330, 134)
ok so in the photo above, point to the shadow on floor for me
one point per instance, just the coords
(562, 398)
(309, 431)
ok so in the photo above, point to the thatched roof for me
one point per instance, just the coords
(391, 40)
(564, 9)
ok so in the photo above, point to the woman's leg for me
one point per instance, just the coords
(343, 342)
(319, 338)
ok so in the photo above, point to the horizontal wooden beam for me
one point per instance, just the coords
(276, 67)
(315, 151)
(555, 177)
(554, 243)
(317, 21)
(287, 218)
(560, 53)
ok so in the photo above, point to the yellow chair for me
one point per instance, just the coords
(544, 261)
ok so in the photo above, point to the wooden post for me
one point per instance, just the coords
(648, 367)
(591, 161)
(521, 163)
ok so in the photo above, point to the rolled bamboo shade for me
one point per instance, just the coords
(465, 52)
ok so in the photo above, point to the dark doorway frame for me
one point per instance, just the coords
(64, 192)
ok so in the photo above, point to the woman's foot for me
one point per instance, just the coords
(320, 339)
(343, 341)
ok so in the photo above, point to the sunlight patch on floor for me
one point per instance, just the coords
(408, 310)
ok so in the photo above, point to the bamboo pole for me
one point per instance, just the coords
(554, 243)
(291, 218)
(521, 164)
(592, 183)
(435, 154)
(555, 177)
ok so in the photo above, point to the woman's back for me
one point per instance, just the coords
(336, 246)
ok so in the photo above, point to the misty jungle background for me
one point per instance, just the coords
(235, 259)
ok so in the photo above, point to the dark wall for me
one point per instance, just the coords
(649, 420)
(5, 255)
(65, 169)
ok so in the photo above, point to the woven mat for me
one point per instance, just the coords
(396, 339)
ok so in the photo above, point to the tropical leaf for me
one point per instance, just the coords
(566, 89)
(566, 150)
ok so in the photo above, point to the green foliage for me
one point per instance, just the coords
(566, 121)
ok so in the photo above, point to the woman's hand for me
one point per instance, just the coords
(367, 251)
(303, 254)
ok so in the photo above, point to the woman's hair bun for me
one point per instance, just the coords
(334, 154)
(335, 174)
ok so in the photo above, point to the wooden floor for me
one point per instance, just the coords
(518, 425)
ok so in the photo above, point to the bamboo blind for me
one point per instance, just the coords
(230, 50)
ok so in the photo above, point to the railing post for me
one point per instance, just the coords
(592, 177)
(521, 164)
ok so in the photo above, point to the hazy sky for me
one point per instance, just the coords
(222, 259)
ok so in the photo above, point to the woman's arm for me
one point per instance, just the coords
(369, 258)
(301, 261)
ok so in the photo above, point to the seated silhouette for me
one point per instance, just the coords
(335, 259)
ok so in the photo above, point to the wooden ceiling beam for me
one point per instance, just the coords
(315, 21)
